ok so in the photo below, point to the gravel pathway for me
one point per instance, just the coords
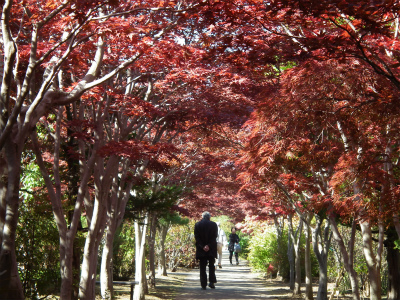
(234, 282)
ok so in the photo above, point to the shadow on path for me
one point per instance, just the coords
(234, 282)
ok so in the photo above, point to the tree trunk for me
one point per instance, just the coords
(309, 287)
(322, 293)
(104, 175)
(10, 282)
(140, 239)
(295, 237)
(290, 253)
(347, 255)
(297, 278)
(279, 225)
(106, 269)
(90, 254)
(321, 245)
(66, 235)
(72, 192)
(373, 271)
(66, 262)
(162, 263)
(152, 241)
(393, 261)
(3, 192)
(116, 210)
(144, 278)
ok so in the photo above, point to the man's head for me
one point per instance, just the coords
(206, 215)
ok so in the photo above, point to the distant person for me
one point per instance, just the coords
(206, 233)
(233, 239)
(221, 241)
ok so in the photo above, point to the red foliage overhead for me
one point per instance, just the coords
(325, 127)
(316, 72)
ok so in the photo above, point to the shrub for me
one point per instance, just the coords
(266, 252)
(37, 252)
(180, 246)
(37, 238)
(244, 243)
(124, 252)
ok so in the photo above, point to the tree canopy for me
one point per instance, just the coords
(244, 108)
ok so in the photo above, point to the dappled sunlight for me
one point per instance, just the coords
(233, 282)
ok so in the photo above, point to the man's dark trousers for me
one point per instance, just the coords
(203, 270)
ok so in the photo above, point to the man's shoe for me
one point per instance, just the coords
(220, 266)
(237, 263)
(211, 285)
(203, 288)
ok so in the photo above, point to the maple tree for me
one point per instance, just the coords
(303, 151)
(110, 162)
(50, 41)
(110, 25)
(362, 37)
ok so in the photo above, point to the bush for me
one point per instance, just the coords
(180, 246)
(244, 243)
(124, 252)
(37, 238)
(266, 253)
(38, 251)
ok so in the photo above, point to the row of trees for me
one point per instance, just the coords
(323, 142)
(111, 100)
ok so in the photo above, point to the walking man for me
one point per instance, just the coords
(206, 233)
(221, 241)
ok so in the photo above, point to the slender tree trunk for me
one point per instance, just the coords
(279, 225)
(3, 192)
(347, 255)
(162, 263)
(295, 237)
(72, 194)
(309, 283)
(90, 254)
(297, 278)
(104, 175)
(396, 223)
(290, 253)
(393, 261)
(140, 232)
(322, 293)
(144, 278)
(152, 255)
(66, 235)
(66, 254)
(373, 271)
(321, 244)
(106, 270)
(10, 282)
(121, 187)
(393, 254)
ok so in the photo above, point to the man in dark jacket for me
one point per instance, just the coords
(206, 233)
